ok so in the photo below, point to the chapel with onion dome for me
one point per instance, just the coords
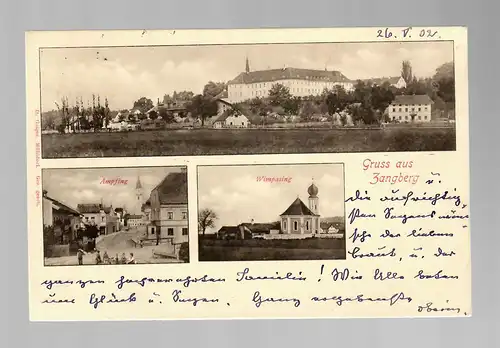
(301, 219)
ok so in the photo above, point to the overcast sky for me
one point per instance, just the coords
(234, 193)
(75, 186)
(123, 75)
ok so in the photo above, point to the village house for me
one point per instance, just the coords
(103, 217)
(411, 108)
(301, 82)
(328, 227)
(227, 116)
(231, 232)
(169, 209)
(64, 219)
(395, 81)
(135, 220)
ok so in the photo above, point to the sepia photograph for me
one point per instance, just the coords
(247, 99)
(271, 212)
(115, 216)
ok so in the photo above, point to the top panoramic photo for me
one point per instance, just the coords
(247, 99)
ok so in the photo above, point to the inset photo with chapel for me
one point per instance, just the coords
(271, 212)
(115, 216)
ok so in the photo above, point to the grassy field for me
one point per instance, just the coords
(260, 250)
(246, 141)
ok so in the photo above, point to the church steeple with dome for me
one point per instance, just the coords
(313, 198)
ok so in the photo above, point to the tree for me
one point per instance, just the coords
(153, 115)
(143, 104)
(213, 89)
(64, 114)
(444, 81)
(406, 71)
(291, 105)
(183, 96)
(336, 100)
(307, 111)
(206, 219)
(202, 107)
(165, 115)
(444, 71)
(381, 98)
(279, 94)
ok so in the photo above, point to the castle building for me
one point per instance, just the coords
(301, 82)
(301, 219)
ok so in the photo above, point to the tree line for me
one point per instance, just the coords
(366, 103)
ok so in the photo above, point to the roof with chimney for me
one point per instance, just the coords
(298, 208)
(288, 74)
(412, 99)
(173, 189)
(229, 229)
(61, 206)
(92, 208)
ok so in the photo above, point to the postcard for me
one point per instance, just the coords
(246, 174)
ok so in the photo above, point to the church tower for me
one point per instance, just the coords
(313, 198)
(247, 67)
(138, 196)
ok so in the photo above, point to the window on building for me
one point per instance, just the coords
(393, 109)
(284, 224)
(406, 109)
(399, 109)
(399, 117)
(184, 215)
(295, 225)
(406, 117)
(307, 225)
(184, 231)
(170, 231)
(412, 109)
(86, 218)
(425, 108)
(425, 117)
(170, 215)
(419, 109)
(102, 218)
(419, 117)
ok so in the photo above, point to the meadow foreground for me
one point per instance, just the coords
(246, 141)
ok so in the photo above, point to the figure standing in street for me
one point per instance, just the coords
(98, 259)
(105, 258)
(79, 255)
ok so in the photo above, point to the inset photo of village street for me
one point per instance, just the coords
(271, 212)
(115, 216)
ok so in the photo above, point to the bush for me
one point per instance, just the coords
(414, 140)
(184, 252)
